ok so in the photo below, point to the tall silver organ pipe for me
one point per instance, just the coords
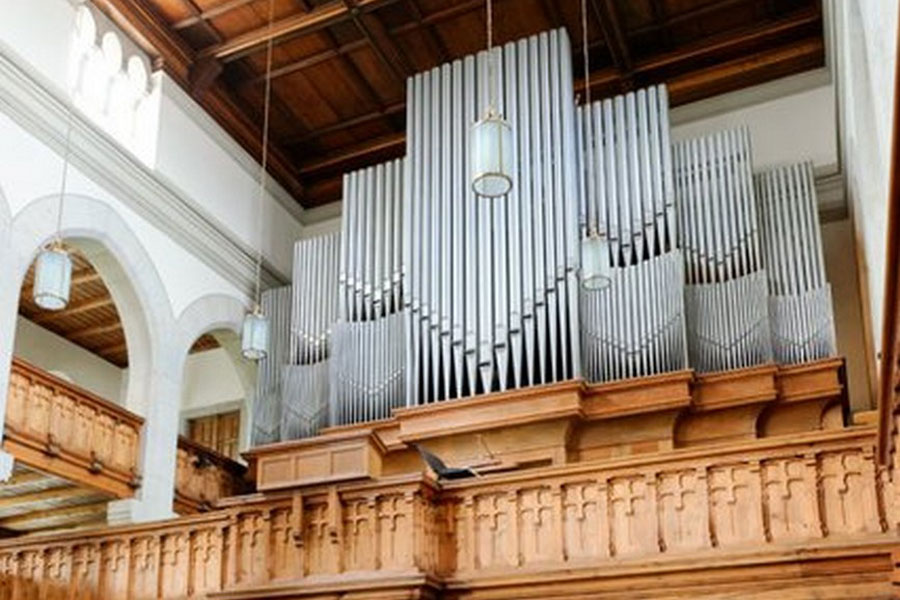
(314, 310)
(800, 308)
(490, 285)
(628, 194)
(635, 327)
(267, 404)
(726, 282)
(369, 363)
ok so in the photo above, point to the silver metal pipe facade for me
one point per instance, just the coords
(635, 327)
(491, 287)
(368, 368)
(267, 403)
(800, 307)
(727, 323)
(305, 379)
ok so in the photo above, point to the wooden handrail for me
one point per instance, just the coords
(203, 476)
(727, 505)
(65, 430)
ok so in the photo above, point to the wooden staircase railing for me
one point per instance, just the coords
(64, 430)
(203, 476)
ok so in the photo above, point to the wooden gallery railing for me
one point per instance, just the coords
(203, 476)
(717, 512)
(67, 431)
(64, 430)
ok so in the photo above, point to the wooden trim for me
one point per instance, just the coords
(889, 369)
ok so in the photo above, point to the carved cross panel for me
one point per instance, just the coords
(683, 510)
(359, 535)
(633, 518)
(494, 516)
(735, 498)
(849, 493)
(582, 520)
(791, 503)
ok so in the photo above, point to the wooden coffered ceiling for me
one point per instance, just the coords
(91, 319)
(340, 66)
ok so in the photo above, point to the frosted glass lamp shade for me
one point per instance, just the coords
(596, 271)
(492, 156)
(255, 336)
(52, 278)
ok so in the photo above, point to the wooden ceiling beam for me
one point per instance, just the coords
(73, 309)
(68, 492)
(94, 330)
(384, 113)
(44, 518)
(322, 16)
(393, 144)
(613, 34)
(432, 37)
(380, 40)
(210, 13)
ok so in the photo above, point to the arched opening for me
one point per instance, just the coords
(217, 387)
(214, 424)
(70, 394)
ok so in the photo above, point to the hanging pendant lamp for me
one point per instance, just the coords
(596, 264)
(53, 266)
(596, 269)
(255, 330)
(491, 151)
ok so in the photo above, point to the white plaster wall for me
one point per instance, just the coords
(221, 177)
(790, 128)
(29, 170)
(193, 153)
(46, 350)
(211, 384)
(866, 33)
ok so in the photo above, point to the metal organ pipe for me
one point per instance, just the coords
(369, 359)
(491, 287)
(726, 283)
(635, 326)
(267, 403)
(314, 306)
(430, 293)
(800, 307)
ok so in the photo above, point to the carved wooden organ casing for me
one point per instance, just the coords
(429, 293)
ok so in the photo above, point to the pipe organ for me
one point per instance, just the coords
(634, 327)
(802, 318)
(267, 404)
(726, 290)
(369, 366)
(430, 293)
(515, 323)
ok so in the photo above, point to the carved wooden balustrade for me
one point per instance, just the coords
(67, 431)
(203, 476)
(810, 506)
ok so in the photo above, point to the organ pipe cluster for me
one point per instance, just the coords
(430, 293)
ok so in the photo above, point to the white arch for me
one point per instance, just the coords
(206, 314)
(217, 312)
(143, 304)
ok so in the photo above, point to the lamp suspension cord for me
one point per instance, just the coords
(492, 108)
(587, 57)
(65, 174)
(265, 154)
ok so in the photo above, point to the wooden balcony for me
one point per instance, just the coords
(66, 431)
(203, 476)
(801, 516)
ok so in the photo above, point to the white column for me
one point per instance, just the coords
(9, 306)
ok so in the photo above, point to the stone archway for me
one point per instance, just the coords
(145, 310)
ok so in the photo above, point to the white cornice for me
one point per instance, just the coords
(36, 106)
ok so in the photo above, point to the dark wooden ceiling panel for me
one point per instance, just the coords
(340, 66)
